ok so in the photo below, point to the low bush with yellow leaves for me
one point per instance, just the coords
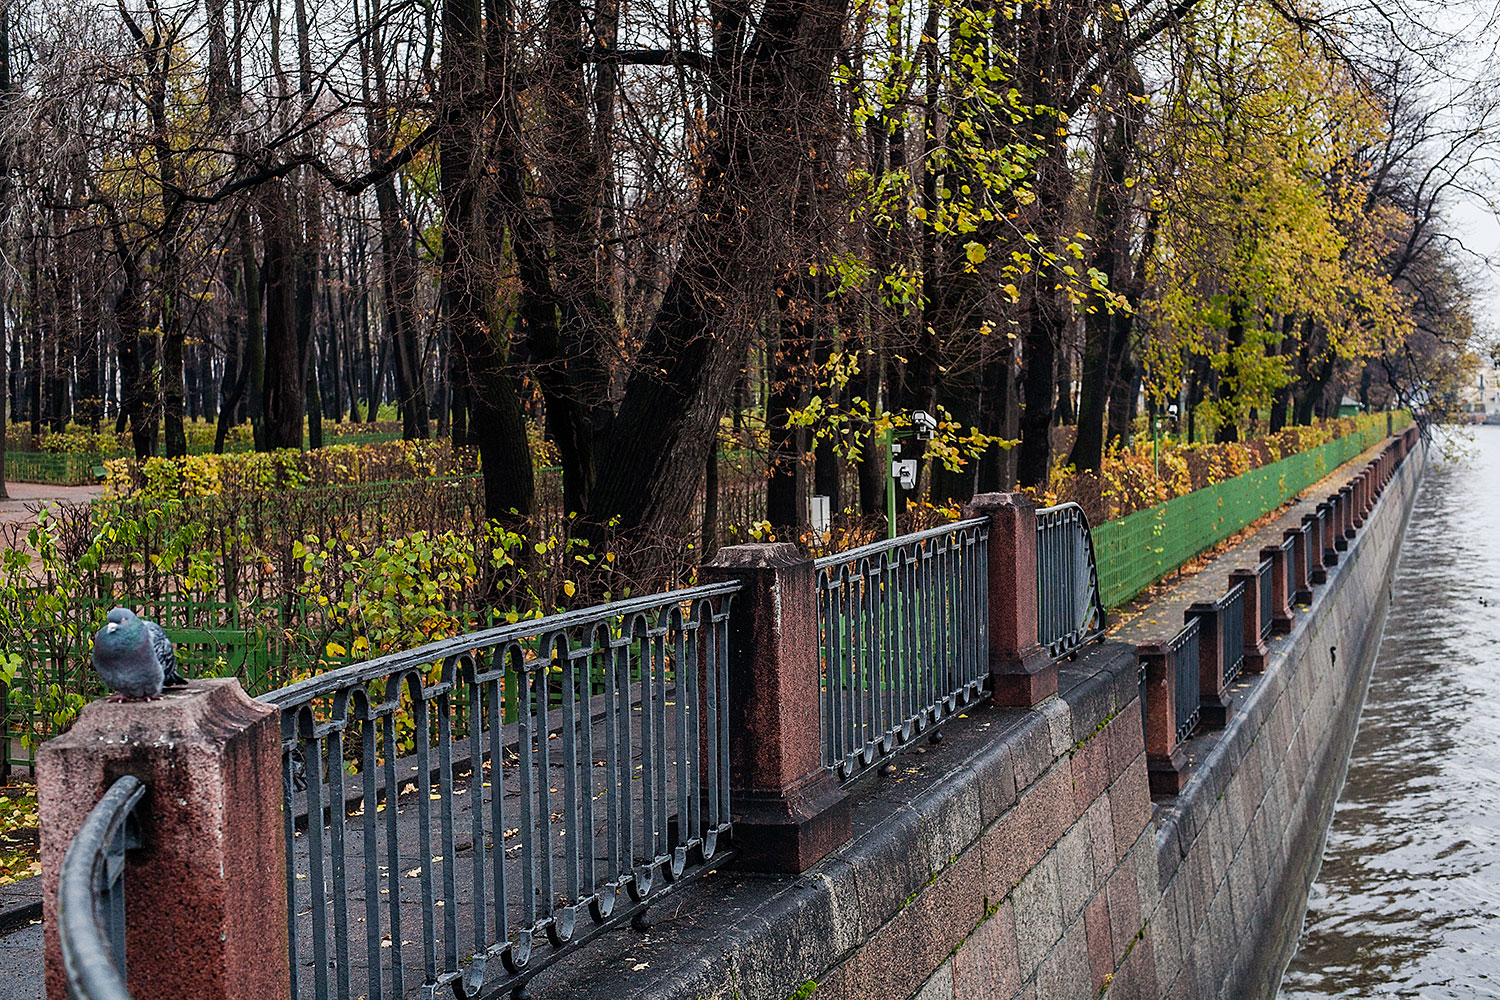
(1151, 472)
(19, 833)
(288, 469)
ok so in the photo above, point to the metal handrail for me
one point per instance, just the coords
(91, 895)
(903, 640)
(1183, 669)
(609, 788)
(332, 681)
(1231, 608)
(1265, 578)
(1070, 606)
(889, 544)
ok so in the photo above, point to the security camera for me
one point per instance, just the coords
(925, 425)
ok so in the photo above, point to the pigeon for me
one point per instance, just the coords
(135, 657)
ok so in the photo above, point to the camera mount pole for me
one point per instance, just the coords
(892, 449)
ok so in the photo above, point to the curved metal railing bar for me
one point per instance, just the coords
(1070, 608)
(610, 727)
(903, 639)
(91, 895)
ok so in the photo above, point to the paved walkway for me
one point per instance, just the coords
(1157, 615)
(25, 498)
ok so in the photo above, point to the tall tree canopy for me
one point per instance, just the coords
(611, 236)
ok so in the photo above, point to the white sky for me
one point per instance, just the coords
(1475, 63)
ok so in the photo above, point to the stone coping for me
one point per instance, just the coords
(768, 935)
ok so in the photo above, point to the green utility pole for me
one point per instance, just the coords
(923, 426)
(892, 483)
(1156, 444)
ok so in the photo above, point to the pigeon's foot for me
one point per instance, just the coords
(119, 698)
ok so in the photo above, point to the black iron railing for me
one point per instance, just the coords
(1183, 650)
(91, 895)
(497, 797)
(1070, 610)
(1232, 614)
(1265, 577)
(904, 631)
(1290, 545)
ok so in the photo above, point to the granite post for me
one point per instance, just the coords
(1021, 672)
(1213, 692)
(1255, 646)
(789, 811)
(1301, 585)
(205, 894)
(1312, 524)
(1328, 531)
(1166, 763)
(1281, 594)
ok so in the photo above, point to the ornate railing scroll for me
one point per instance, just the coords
(1070, 610)
(476, 805)
(91, 895)
(1183, 650)
(1232, 617)
(904, 632)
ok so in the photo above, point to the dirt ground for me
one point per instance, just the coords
(25, 498)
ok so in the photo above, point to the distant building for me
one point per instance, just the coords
(1482, 396)
(1349, 407)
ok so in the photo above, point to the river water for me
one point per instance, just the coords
(1407, 903)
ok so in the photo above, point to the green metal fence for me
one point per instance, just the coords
(1139, 549)
(52, 468)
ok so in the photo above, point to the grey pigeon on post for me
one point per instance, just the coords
(134, 657)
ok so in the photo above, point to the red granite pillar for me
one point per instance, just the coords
(1301, 587)
(1255, 646)
(789, 811)
(1166, 763)
(1346, 512)
(1021, 672)
(205, 895)
(1213, 692)
(1313, 524)
(1281, 595)
(1328, 532)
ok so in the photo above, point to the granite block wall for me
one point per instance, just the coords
(1023, 857)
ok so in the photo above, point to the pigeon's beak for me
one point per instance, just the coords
(112, 627)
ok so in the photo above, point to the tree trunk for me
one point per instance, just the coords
(668, 417)
(499, 426)
(1039, 384)
(283, 359)
(786, 486)
(1104, 338)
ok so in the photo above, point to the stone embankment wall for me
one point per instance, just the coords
(1024, 857)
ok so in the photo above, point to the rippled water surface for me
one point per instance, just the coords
(1407, 903)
